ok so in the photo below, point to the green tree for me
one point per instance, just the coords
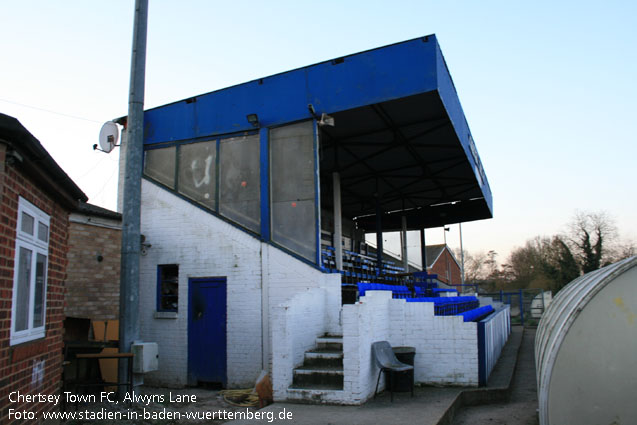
(564, 267)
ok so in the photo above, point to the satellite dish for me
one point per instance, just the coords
(109, 135)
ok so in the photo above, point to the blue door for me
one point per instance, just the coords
(207, 331)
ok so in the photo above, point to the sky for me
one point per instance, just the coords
(549, 88)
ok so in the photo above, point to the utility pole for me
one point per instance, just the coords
(131, 236)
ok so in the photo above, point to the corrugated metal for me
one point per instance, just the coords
(560, 317)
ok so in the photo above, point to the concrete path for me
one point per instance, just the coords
(429, 406)
(521, 409)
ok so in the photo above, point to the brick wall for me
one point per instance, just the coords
(446, 347)
(440, 268)
(296, 324)
(92, 284)
(203, 246)
(34, 366)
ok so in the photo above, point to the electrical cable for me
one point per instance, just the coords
(48, 110)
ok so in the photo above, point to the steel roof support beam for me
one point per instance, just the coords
(401, 137)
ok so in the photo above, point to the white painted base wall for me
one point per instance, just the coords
(203, 246)
(446, 347)
(296, 324)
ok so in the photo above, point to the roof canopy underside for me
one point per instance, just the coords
(404, 154)
(400, 136)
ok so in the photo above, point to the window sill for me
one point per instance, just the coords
(166, 315)
(28, 349)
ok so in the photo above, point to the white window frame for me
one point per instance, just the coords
(36, 246)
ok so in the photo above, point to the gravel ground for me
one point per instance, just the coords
(522, 406)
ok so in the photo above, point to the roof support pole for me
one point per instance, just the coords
(131, 239)
(423, 250)
(461, 252)
(338, 223)
(379, 237)
(403, 243)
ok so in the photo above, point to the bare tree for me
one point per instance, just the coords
(590, 236)
(474, 266)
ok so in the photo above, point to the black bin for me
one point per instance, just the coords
(404, 381)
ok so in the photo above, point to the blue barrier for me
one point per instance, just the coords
(449, 306)
(398, 291)
(477, 313)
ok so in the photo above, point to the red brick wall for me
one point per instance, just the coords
(92, 286)
(17, 362)
(440, 268)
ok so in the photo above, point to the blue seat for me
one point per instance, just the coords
(477, 313)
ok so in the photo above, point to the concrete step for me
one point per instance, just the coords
(318, 394)
(323, 357)
(330, 342)
(318, 387)
(311, 376)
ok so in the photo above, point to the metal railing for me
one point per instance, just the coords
(493, 333)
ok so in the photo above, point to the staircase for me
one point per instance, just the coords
(322, 368)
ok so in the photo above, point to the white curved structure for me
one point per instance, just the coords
(586, 350)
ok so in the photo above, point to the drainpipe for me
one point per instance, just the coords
(265, 308)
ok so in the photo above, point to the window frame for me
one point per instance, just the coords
(160, 281)
(36, 246)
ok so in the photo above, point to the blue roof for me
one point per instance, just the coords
(400, 131)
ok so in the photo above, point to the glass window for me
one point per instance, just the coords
(43, 232)
(38, 305)
(27, 223)
(159, 164)
(293, 188)
(29, 284)
(197, 172)
(167, 287)
(239, 189)
(24, 289)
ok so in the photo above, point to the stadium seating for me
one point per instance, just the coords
(477, 313)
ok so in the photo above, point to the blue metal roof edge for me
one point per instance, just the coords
(449, 97)
(377, 75)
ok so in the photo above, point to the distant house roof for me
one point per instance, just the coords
(434, 252)
(38, 163)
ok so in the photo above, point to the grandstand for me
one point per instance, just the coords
(256, 200)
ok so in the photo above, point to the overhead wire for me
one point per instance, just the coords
(37, 108)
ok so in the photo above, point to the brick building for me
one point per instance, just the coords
(36, 197)
(92, 283)
(441, 261)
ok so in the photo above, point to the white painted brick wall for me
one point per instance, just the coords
(446, 347)
(296, 325)
(203, 246)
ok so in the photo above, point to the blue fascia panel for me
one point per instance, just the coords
(366, 78)
(451, 102)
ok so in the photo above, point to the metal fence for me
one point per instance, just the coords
(527, 305)
(493, 333)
